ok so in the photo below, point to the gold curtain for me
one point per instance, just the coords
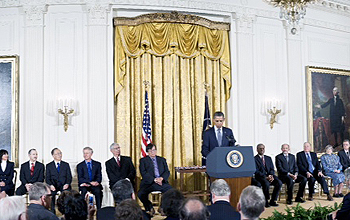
(177, 59)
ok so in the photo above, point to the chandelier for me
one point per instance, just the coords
(291, 10)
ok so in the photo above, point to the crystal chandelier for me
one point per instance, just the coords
(291, 10)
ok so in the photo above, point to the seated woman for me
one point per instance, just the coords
(332, 167)
(6, 173)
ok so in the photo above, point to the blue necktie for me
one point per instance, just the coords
(219, 137)
(311, 166)
(58, 167)
(156, 171)
(89, 170)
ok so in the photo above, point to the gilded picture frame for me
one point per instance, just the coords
(9, 99)
(328, 103)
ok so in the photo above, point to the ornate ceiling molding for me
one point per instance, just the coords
(98, 13)
(341, 7)
(328, 25)
(245, 23)
(173, 17)
(332, 6)
(34, 14)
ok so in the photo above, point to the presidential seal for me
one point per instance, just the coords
(234, 158)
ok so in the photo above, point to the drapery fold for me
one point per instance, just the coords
(163, 39)
(177, 60)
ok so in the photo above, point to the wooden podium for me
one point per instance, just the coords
(236, 165)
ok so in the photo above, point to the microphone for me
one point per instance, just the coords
(231, 140)
(229, 137)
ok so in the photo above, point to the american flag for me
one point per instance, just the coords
(146, 128)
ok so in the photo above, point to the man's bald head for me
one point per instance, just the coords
(194, 209)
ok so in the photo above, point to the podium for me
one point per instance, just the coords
(236, 165)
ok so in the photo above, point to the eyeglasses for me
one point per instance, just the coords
(46, 195)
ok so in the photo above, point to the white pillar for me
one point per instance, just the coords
(31, 81)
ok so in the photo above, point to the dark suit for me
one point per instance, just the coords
(223, 210)
(344, 212)
(336, 112)
(210, 141)
(147, 183)
(344, 159)
(284, 168)
(83, 177)
(107, 213)
(303, 167)
(39, 212)
(262, 172)
(58, 179)
(116, 173)
(6, 176)
(25, 177)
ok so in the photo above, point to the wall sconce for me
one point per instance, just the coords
(66, 112)
(273, 108)
(65, 107)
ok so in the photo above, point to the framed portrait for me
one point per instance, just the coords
(9, 94)
(328, 100)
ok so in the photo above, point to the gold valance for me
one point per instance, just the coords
(162, 39)
(173, 17)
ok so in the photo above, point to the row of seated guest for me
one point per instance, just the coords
(154, 171)
(306, 168)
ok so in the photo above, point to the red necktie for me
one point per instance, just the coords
(32, 170)
(118, 161)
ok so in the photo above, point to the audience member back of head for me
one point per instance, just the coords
(171, 203)
(194, 209)
(128, 210)
(251, 203)
(13, 208)
(75, 208)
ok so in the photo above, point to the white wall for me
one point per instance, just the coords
(66, 51)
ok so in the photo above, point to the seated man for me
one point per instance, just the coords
(194, 209)
(251, 203)
(344, 155)
(40, 201)
(121, 191)
(310, 167)
(288, 173)
(90, 176)
(221, 209)
(58, 175)
(265, 175)
(155, 173)
(119, 167)
(31, 171)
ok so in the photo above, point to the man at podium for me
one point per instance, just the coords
(217, 136)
